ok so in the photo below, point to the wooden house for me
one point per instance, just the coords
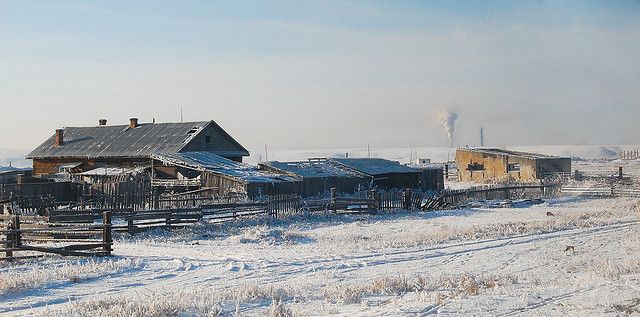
(80, 149)
(490, 165)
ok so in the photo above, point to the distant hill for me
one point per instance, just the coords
(13, 157)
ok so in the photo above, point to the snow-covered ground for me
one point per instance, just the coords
(477, 261)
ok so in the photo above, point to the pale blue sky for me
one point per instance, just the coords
(309, 74)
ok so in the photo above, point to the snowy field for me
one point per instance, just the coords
(479, 261)
(474, 261)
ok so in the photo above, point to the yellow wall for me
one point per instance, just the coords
(495, 167)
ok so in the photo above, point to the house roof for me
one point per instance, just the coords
(121, 141)
(509, 153)
(374, 166)
(207, 161)
(312, 169)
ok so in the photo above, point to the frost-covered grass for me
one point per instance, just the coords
(439, 289)
(201, 301)
(38, 275)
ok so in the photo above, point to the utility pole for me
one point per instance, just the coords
(266, 154)
(181, 117)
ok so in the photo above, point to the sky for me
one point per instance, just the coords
(326, 74)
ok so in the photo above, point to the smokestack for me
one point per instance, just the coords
(102, 122)
(133, 123)
(481, 137)
(59, 139)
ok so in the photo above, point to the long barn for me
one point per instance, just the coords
(488, 165)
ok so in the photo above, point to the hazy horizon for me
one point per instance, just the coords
(329, 75)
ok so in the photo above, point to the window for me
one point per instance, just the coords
(207, 139)
(475, 167)
(513, 167)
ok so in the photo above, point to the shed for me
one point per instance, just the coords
(318, 176)
(224, 175)
(386, 174)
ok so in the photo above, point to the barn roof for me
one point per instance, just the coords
(207, 161)
(312, 169)
(120, 141)
(374, 166)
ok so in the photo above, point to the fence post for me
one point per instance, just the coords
(620, 172)
(107, 240)
(130, 222)
(17, 239)
(334, 197)
(10, 238)
(407, 199)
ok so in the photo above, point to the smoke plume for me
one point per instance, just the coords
(448, 119)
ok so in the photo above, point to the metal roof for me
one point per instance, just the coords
(509, 153)
(121, 141)
(312, 169)
(374, 166)
(207, 161)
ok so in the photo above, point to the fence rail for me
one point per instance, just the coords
(34, 236)
(613, 191)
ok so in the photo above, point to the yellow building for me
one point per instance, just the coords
(491, 165)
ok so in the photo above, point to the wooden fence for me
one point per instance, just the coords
(454, 198)
(34, 236)
(609, 191)
(629, 155)
(133, 221)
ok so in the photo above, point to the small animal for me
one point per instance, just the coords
(549, 213)
(570, 248)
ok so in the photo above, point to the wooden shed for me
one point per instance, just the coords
(317, 177)
(387, 174)
(225, 177)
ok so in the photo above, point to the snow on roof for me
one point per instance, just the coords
(207, 161)
(509, 153)
(113, 171)
(374, 166)
(312, 169)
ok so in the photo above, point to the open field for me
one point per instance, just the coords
(501, 261)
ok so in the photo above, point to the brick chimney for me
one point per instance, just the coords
(133, 123)
(59, 139)
(102, 122)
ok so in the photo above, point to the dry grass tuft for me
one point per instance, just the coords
(442, 288)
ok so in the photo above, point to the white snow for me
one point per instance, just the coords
(503, 261)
